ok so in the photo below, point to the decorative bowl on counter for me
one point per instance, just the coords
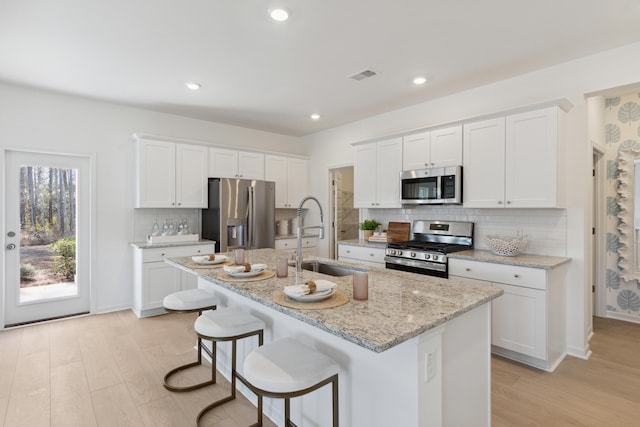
(506, 246)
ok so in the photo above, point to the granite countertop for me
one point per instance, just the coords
(365, 243)
(400, 306)
(146, 245)
(523, 260)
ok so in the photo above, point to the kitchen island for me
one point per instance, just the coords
(411, 354)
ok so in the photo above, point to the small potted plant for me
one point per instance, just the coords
(368, 226)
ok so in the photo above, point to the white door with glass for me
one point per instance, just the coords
(47, 236)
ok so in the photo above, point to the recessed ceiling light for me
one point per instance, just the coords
(315, 116)
(193, 86)
(279, 14)
(420, 80)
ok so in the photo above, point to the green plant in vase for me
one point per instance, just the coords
(368, 226)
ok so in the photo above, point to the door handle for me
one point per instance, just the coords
(11, 246)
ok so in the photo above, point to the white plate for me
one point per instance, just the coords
(204, 259)
(242, 274)
(317, 296)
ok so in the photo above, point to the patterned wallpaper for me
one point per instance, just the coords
(622, 130)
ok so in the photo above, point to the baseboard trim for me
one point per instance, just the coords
(623, 316)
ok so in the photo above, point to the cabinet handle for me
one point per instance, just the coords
(179, 204)
(516, 275)
(371, 254)
(499, 202)
(198, 250)
(162, 254)
(348, 252)
(173, 204)
(467, 269)
(508, 202)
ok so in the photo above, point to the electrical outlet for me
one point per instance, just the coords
(429, 365)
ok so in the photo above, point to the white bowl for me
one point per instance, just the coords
(506, 246)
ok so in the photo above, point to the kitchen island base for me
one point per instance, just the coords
(441, 377)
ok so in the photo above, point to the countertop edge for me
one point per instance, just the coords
(522, 260)
(146, 245)
(364, 243)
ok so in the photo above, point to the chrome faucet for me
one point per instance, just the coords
(300, 229)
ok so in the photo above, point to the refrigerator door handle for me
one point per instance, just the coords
(250, 218)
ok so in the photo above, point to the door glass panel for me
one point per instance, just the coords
(47, 233)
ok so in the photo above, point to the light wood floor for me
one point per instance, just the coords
(107, 370)
(601, 391)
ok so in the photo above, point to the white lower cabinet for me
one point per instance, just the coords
(367, 255)
(528, 320)
(290, 246)
(154, 279)
(522, 325)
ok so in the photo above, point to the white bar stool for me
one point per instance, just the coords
(190, 301)
(227, 324)
(287, 368)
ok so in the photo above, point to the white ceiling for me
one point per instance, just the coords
(262, 74)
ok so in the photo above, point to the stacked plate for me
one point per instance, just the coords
(238, 271)
(324, 289)
(206, 259)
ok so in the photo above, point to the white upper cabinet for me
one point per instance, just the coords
(513, 161)
(377, 174)
(446, 147)
(416, 151)
(432, 149)
(533, 149)
(170, 175)
(191, 176)
(483, 173)
(224, 163)
(290, 176)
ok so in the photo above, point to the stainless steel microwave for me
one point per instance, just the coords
(431, 186)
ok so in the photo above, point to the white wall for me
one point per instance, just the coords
(571, 80)
(42, 121)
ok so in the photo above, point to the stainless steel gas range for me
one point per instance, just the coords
(426, 252)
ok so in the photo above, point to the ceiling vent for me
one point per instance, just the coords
(364, 74)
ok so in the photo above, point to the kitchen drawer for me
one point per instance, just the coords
(362, 253)
(159, 254)
(307, 242)
(534, 278)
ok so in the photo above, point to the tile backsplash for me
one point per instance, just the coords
(143, 220)
(546, 228)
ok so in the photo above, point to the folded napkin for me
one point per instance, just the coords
(303, 289)
(240, 268)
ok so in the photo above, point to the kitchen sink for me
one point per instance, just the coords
(329, 269)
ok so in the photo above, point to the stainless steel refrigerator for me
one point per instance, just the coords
(241, 214)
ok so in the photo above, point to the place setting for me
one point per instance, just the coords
(209, 261)
(240, 271)
(313, 294)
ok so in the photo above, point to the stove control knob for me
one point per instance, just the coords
(413, 254)
(434, 257)
(427, 256)
(399, 253)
